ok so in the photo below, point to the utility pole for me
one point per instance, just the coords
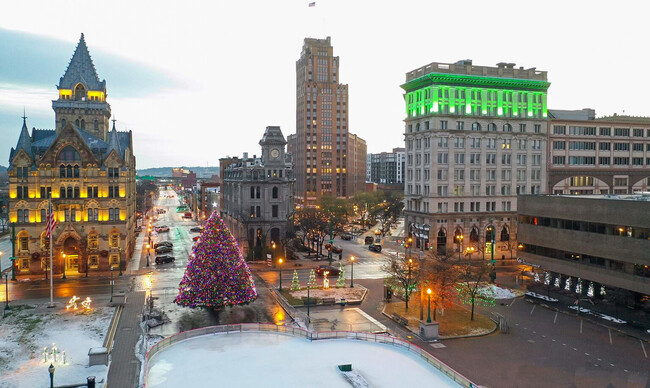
(13, 251)
(329, 254)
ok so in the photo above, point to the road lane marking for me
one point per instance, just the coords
(610, 364)
(513, 302)
(533, 309)
(586, 354)
(610, 335)
(575, 349)
(643, 347)
(555, 319)
(581, 326)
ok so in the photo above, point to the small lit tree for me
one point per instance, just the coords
(311, 283)
(295, 282)
(340, 282)
(470, 283)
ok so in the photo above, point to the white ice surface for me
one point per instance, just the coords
(276, 360)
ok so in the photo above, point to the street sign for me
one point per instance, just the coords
(268, 260)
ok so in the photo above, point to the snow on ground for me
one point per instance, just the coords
(333, 292)
(226, 360)
(496, 292)
(27, 329)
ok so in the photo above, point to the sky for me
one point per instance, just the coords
(197, 81)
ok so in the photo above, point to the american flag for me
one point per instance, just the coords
(51, 222)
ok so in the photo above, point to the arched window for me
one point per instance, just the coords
(492, 127)
(76, 192)
(507, 127)
(476, 127)
(68, 171)
(275, 192)
(114, 239)
(83, 124)
(62, 192)
(505, 236)
(62, 123)
(488, 233)
(473, 235)
(76, 171)
(62, 171)
(68, 193)
(458, 236)
(417, 127)
(93, 241)
(79, 92)
(77, 123)
(68, 154)
(441, 243)
(23, 241)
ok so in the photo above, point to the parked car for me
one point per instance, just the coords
(369, 240)
(163, 244)
(347, 236)
(335, 249)
(196, 229)
(163, 249)
(165, 259)
(162, 228)
(333, 271)
(375, 247)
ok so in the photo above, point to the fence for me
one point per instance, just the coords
(310, 335)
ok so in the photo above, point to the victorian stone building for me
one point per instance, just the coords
(87, 169)
(257, 194)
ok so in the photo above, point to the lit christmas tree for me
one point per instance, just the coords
(295, 282)
(216, 273)
(340, 282)
(311, 283)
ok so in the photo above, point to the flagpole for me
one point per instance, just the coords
(51, 247)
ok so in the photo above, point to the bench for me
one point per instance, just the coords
(400, 319)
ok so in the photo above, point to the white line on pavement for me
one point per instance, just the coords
(555, 319)
(643, 347)
(610, 336)
(513, 302)
(533, 309)
(581, 326)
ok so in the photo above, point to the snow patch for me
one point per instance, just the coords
(496, 292)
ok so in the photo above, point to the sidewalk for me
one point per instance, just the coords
(124, 368)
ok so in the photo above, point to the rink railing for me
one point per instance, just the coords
(310, 335)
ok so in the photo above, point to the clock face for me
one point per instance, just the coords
(275, 153)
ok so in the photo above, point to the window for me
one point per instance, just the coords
(521, 174)
(23, 244)
(492, 127)
(459, 142)
(475, 142)
(559, 145)
(621, 161)
(22, 172)
(637, 132)
(443, 158)
(621, 146)
(507, 144)
(522, 144)
(622, 132)
(491, 158)
(538, 128)
(22, 192)
(637, 161)
(443, 142)
(491, 143)
(491, 175)
(442, 175)
(559, 130)
(507, 127)
(521, 159)
(637, 147)
(460, 125)
(274, 211)
(93, 214)
(93, 261)
(442, 191)
(490, 190)
(475, 158)
(459, 174)
(443, 124)
(506, 174)
(93, 241)
(559, 160)
(274, 192)
(605, 131)
(522, 127)
(459, 158)
(505, 159)
(459, 191)
(505, 190)
(603, 160)
(113, 172)
(476, 127)
(23, 215)
(114, 239)
(46, 191)
(604, 146)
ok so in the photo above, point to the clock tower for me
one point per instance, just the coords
(273, 147)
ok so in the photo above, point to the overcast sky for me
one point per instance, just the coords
(197, 81)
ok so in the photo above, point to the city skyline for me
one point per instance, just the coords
(180, 72)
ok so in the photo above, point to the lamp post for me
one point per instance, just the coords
(13, 251)
(111, 284)
(408, 284)
(352, 272)
(51, 370)
(63, 255)
(308, 301)
(6, 289)
(148, 251)
(119, 261)
(459, 239)
(429, 306)
(468, 253)
(280, 266)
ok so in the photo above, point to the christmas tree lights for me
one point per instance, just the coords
(216, 273)
(311, 283)
(340, 282)
(295, 282)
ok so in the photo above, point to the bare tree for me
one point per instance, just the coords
(441, 272)
(403, 274)
(470, 283)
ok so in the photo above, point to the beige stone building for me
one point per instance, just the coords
(87, 170)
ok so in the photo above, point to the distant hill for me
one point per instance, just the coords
(162, 172)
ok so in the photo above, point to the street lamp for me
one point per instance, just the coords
(51, 370)
(148, 251)
(429, 306)
(6, 289)
(468, 253)
(119, 261)
(63, 255)
(459, 239)
(352, 272)
(111, 283)
(279, 266)
(408, 283)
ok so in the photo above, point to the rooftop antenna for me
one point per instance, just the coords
(24, 116)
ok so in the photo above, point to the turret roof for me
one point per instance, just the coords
(81, 69)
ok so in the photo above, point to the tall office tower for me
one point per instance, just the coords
(475, 138)
(323, 153)
(386, 167)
